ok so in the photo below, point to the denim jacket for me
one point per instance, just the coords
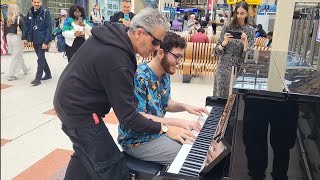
(38, 27)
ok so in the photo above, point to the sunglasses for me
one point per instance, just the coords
(155, 41)
(178, 57)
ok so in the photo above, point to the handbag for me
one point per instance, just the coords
(19, 31)
(53, 47)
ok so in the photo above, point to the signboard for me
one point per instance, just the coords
(216, 2)
(250, 2)
(113, 6)
(318, 33)
(8, 2)
(189, 10)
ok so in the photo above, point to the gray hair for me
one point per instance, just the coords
(128, 1)
(149, 19)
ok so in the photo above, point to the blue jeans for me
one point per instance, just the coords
(42, 62)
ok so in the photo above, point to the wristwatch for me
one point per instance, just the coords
(164, 128)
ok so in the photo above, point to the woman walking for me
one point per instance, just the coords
(76, 29)
(232, 51)
(13, 26)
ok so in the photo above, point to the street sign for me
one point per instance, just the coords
(250, 2)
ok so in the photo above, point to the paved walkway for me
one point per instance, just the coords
(33, 146)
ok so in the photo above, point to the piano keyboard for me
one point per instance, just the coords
(191, 157)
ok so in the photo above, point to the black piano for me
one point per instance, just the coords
(272, 128)
(277, 131)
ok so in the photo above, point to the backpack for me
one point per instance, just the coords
(60, 41)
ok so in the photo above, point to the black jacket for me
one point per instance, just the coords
(13, 28)
(117, 17)
(38, 27)
(100, 76)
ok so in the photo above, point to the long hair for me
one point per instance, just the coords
(13, 12)
(234, 23)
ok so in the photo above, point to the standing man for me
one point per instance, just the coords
(38, 30)
(93, 83)
(125, 15)
(96, 16)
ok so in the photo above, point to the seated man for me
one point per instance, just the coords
(269, 36)
(153, 99)
(200, 37)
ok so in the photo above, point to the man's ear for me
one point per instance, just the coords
(160, 53)
(138, 33)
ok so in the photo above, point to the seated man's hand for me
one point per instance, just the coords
(196, 110)
(186, 124)
(180, 134)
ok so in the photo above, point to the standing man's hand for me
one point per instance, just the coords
(44, 46)
(126, 23)
(25, 42)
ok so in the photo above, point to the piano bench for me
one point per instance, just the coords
(140, 169)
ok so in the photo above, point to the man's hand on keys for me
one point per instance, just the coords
(180, 134)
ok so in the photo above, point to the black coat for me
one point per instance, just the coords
(100, 76)
(118, 17)
(38, 27)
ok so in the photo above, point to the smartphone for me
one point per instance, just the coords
(235, 34)
(126, 17)
(80, 19)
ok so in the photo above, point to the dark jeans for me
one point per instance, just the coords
(96, 155)
(70, 51)
(42, 62)
(282, 117)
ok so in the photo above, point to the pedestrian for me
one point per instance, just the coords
(38, 29)
(75, 30)
(13, 26)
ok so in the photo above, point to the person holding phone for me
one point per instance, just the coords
(125, 15)
(235, 40)
(76, 29)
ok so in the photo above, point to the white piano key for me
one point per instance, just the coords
(185, 149)
(179, 160)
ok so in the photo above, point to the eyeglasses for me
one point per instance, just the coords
(77, 13)
(178, 57)
(155, 41)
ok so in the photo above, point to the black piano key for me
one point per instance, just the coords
(193, 164)
(198, 152)
(191, 170)
(196, 158)
(188, 173)
(200, 146)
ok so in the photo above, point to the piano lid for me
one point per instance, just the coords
(280, 74)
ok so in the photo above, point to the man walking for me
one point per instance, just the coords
(38, 30)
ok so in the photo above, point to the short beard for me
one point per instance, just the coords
(165, 65)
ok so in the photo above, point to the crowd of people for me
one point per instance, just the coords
(108, 77)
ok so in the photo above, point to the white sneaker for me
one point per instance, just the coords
(27, 71)
(12, 78)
